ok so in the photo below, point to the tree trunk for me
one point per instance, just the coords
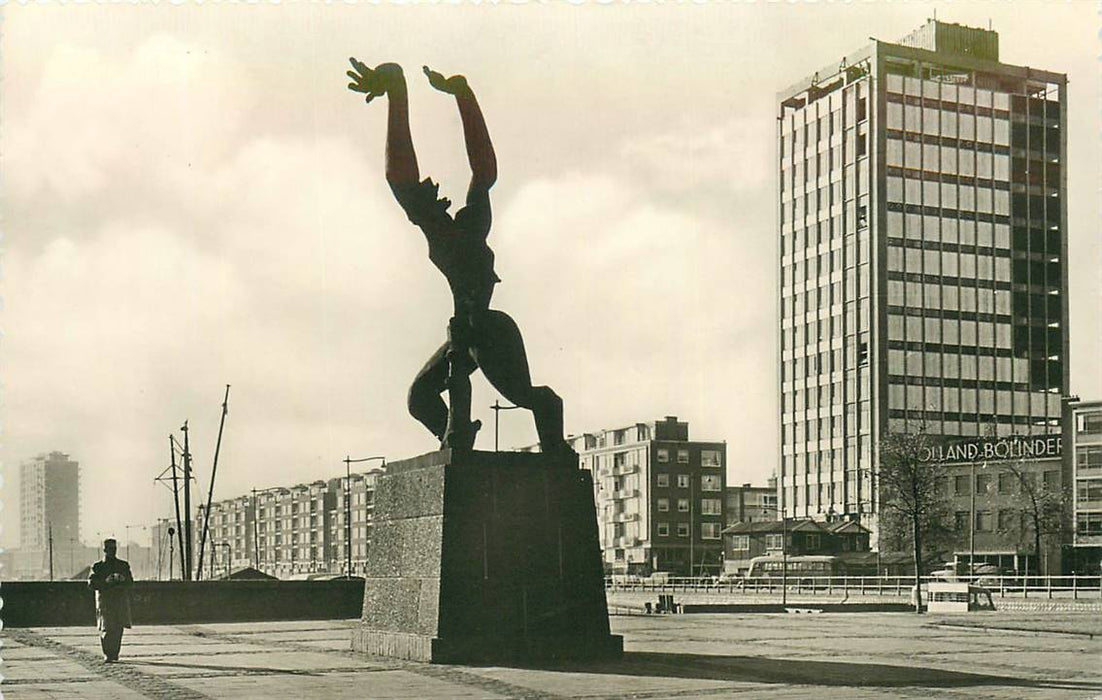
(1037, 544)
(916, 537)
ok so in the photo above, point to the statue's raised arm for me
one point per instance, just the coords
(480, 150)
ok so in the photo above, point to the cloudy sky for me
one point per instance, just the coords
(191, 199)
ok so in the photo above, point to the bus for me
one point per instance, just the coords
(813, 565)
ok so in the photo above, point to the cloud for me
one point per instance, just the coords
(732, 156)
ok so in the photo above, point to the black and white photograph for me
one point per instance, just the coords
(569, 349)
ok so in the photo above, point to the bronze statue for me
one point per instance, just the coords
(478, 336)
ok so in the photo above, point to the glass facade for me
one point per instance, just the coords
(921, 243)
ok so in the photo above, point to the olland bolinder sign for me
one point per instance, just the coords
(995, 449)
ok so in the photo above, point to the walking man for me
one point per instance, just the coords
(111, 580)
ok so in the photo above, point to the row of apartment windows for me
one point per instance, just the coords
(708, 458)
(708, 482)
(928, 159)
(951, 264)
(1008, 521)
(825, 395)
(1007, 482)
(708, 506)
(708, 531)
(947, 92)
(825, 428)
(993, 127)
(967, 402)
(948, 196)
(815, 497)
(950, 297)
(950, 365)
(939, 228)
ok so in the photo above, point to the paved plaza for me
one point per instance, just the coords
(848, 655)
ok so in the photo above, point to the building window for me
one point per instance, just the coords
(711, 483)
(1052, 479)
(663, 529)
(710, 458)
(663, 505)
(960, 521)
(740, 543)
(709, 531)
(682, 505)
(1089, 457)
(962, 485)
(1006, 482)
(663, 455)
(1090, 423)
(1088, 523)
(774, 541)
(663, 479)
(711, 506)
(682, 481)
(682, 456)
(1006, 520)
(812, 542)
(983, 482)
(682, 529)
(983, 521)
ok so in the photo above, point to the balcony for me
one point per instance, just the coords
(623, 494)
(624, 517)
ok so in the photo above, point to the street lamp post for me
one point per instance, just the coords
(497, 408)
(784, 551)
(348, 462)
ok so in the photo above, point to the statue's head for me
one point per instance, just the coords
(110, 546)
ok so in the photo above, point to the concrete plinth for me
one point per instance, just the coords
(485, 557)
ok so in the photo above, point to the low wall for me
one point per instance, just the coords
(65, 603)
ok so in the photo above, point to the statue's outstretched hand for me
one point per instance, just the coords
(455, 85)
(373, 82)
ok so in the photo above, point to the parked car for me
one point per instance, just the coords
(982, 574)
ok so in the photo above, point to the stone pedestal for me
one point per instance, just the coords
(485, 557)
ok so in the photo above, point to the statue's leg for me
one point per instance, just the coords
(499, 351)
(461, 430)
(424, 401)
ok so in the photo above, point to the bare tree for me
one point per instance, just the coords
(913, 501)
(1040, 507)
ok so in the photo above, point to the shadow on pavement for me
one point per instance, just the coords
(229, 670)
(759, 669)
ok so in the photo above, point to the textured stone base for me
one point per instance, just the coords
(415, 647)
(485, 556)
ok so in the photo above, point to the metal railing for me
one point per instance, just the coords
(1004, 586)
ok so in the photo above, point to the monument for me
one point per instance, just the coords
(476, 556)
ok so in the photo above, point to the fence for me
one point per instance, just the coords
(63, 603)
(1070, 587)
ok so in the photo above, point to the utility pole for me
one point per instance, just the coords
(176, 502)
(185, 553)
(213, 472)
(50, 542)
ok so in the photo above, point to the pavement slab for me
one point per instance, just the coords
(772, 656)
